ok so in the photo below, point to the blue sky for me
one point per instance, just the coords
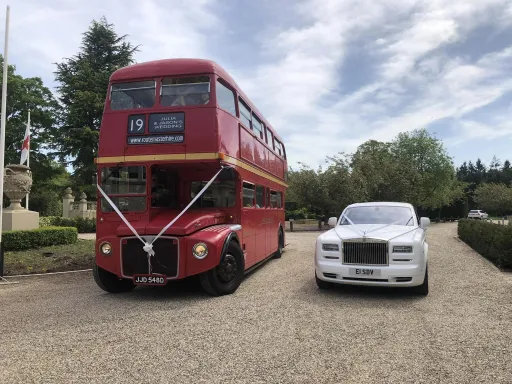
(327, 74)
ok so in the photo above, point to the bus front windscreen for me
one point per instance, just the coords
(139, 94)
(125, 186)
(183, 91)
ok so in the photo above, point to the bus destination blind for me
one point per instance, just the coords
(162, 128)
(166, 122)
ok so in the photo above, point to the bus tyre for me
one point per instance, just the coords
(226, 277)
(110, 282)
(280, 245)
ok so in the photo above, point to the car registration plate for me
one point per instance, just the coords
(364, 272)
(149, 279)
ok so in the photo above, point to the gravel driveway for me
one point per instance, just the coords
(277, 328)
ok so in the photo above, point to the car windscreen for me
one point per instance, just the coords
(379, 215)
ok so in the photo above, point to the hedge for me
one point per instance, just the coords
(36, 238)
(492, 241)
(82, 225)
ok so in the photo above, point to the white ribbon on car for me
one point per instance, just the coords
(148, 246)
(374, 229)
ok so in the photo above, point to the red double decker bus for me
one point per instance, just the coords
(191, 179)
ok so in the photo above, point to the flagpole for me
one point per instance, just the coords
(2, 137)
(28, 156)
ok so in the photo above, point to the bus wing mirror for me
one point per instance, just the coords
(94, 178)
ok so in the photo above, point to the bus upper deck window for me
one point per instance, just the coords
(181, 91)
(139, 94)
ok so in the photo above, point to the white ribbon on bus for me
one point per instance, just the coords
(148, 246)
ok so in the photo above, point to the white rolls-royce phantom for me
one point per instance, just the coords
(375, 243)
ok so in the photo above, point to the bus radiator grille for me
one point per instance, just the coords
(135, 260)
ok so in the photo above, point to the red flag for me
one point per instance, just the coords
(25, 148)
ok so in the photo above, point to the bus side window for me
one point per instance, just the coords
(273, 199)
(279, 199)
(245, 113)
(260, 196)
(257, 125)
(270, 138)
(225, 98)
(248, 195)
(277, 147)
(268, 198)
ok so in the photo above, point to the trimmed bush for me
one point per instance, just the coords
(492, 241)
(46, 202)
(36, 238)
(81, 224)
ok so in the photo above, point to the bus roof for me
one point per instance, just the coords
(183, 66)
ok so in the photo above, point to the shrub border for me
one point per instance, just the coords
(489, 240)
(20, 240)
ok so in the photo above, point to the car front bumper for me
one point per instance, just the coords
(406, 275)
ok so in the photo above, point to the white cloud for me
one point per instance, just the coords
(42, 34)
(299, 75)
(416, 81)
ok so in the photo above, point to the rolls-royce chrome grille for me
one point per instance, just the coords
(368, 252)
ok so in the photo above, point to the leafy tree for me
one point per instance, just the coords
(494, 197)
(427, 169)
(379, 171)
(83, 82)
(506, 171)
(29, 94)
(305, 188)
(341, 186)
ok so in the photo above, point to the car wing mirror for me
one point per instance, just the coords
(332, 221)
(424, 222)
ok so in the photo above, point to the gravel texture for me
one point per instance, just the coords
(277, 328)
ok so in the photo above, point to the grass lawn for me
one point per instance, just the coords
(57, 258)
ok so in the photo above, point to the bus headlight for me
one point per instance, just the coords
(200, 250)
(106, 248)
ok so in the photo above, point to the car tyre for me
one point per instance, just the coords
(109, 282)
(227, 276)
(423, 288)
(322, 284)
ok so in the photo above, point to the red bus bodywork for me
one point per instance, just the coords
(203, 137)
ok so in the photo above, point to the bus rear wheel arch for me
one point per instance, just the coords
(227, 276)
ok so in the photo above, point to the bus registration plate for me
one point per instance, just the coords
(149, 279)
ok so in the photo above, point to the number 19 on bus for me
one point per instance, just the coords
(136, 124)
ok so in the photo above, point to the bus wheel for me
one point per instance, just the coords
(226, 277)
(110, 282)
(280, 245)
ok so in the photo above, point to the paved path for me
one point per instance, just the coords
(277, 328)
(87, 236)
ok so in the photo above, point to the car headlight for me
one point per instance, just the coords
(106, 248)
(200, 250)
(330, 247)
(402, 249)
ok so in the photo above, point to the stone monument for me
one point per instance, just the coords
(17, 184)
